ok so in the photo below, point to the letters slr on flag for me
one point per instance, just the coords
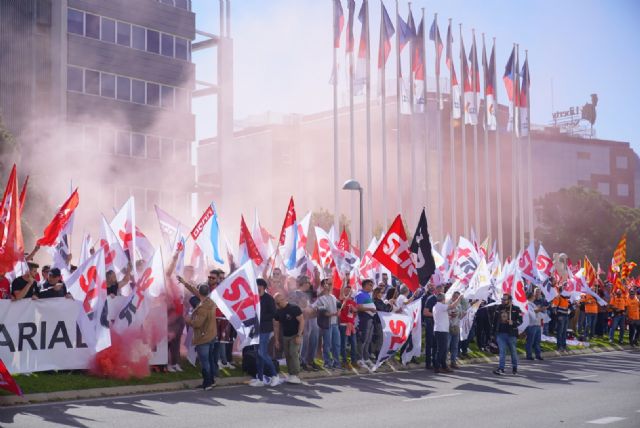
(393, 252)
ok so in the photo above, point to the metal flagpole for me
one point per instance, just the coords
(336, 185)
(368, 112)
(465, 192)
(476, 168)
(398, 103)
(383, 108)
(454, 202)
(411, 213)
(498, 157)
(530, 159)
(514, 168)
(487, 186)
(519, 152)
(352, 136)
(438, 130)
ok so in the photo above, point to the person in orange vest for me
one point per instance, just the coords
(633, 315)
(562, 306)
(617, 306)
(591, 311)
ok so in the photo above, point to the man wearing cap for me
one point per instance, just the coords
(263, 360)
(53, 286)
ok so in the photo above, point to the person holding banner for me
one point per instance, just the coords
(507, 319)
(289, 318)
(441, 331)
(263, 360)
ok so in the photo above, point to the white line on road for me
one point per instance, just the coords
(427, 397)
(581, 377)
(607, 420)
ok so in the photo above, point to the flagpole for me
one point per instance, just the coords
(352, 137)
(438, 131)
(465, 192)
(476, 168)
(368, 110)
(336, 202)
(514, 168)
(452, 148)
(423, 55)
(487, 186)
(529, 149)
(411, 213)
(520, 158)
(398, 103)
(498, 158)
(383, 109)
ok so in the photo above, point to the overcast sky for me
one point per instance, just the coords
(283, 53)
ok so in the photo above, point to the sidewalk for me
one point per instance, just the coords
(240, 380)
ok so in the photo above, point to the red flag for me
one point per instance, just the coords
(7, 382)
(394, 253)
(247, 240)
(52, 231)
(620, 253)
(343, 243)
(11, 243)
(23, 193)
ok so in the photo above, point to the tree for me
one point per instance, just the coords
(580, 221)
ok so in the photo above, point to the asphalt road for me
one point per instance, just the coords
(591, 390)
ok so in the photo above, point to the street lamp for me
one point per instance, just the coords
(354, 185)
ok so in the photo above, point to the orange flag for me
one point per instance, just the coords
(620, 253)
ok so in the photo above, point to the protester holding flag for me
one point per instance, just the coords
(25, 286)
(5, 287)
(534, 331)
(633, 316)
(562, 307)
(327, 307)
(203, 323)
(53, 286)
(366, 311)
(381, 306)
(428, 302)
(347, 315)
(263, 360)
(441, 329)
(455, 315)
(289, 318)
(617, 305)
(591, 314)
(507, 319)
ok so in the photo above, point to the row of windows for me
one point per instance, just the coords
(622, 189)
(123, 88)
(125, 34)
(181, 4)
(131, 144)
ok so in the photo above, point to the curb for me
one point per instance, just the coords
(240, 380)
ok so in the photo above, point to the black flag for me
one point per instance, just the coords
(421, 251)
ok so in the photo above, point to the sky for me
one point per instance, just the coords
(283, 54)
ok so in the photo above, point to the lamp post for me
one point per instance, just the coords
(354, 185)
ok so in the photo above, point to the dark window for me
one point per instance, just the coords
(75, 21)
(108, 85)
(91, 138)
(92, 82)
(167, 149)
(167, 97)
(153, 147)
(137, 145)
(124, 34)
(182, 4)
(123, 146)
(153, 94)
(153, 41)
(108, 30)
(182, 48)
(169, 2)
(107, 141)
(93, 26)
(124, 88)
(138, 91)
(74, 79)
(138, 37)
(167, 45)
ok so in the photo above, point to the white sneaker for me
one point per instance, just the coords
(275, 381)
(293, 379)
(178, 368)
(256, 382)
(171, 369)
(362, 364)
(229, 366)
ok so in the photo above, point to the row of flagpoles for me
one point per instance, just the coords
(464, 107)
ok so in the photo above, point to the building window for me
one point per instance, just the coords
(138, 91)
(584, 155)
(124, 88)
(137, 146)
(92, 82)
(108, 85)
(182, 4)
(153, 41)
(623, 189)
(182, 48)
(92, 26)
(75, 22)
(622, 162)
(124, 34)
(167, 149)
(153, 94)
(167, 45)
(123, 145)
(139, 37)
(167, 97)
(74, 79)
(604, 188)
(153, 147)
(107, 141)
(108, 30)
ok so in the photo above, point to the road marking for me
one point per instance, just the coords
(607, 420)
(427, 397)
(581, 377)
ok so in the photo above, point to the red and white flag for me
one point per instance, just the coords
(55, 227)
(11, 242)
(248, 248)
(7, 382)
(466, 260)
(395, 332)
(413, 349)
(394, 253)
(115, 258)
(238, 299)
(527, 263)
(123, 224)
(544, 264)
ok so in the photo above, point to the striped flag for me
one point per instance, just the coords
(620, 253)
(386, 33)
(455, 86)
(523, 100)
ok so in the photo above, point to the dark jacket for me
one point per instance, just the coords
(504, 313)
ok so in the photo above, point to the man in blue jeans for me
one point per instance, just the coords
(534, 330)
(263, 359)
(506, 322)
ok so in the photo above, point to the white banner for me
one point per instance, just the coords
(467, 321)
(414, 309)
(395, 331)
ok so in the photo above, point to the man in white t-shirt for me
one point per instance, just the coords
(441, 332)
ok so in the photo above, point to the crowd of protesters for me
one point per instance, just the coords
(305, 320)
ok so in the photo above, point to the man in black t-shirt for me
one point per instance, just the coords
(53, 286)
(263, 360)
(289, 318)
(25, 286)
